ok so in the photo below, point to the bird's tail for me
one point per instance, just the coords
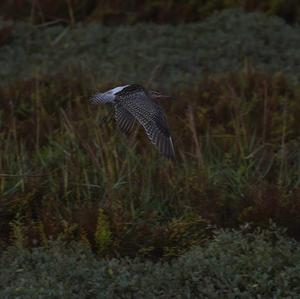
(100, 98)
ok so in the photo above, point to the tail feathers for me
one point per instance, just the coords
(100, 98)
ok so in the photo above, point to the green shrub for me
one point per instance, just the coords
(233, 264)
(161, 55)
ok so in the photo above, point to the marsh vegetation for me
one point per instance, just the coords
(68, 177)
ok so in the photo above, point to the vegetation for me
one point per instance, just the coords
(176, 11)
(63, 166)
(162, 56)
(233, 264)
(71, 184)
(132, 12)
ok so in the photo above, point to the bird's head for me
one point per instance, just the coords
(158, 96)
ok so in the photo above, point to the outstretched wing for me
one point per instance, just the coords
(150, 115)
(124, 119)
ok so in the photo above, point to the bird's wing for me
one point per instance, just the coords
(124, 118)
(150, 115)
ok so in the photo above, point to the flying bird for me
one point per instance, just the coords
(135, 103)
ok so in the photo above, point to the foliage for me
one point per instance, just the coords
(237, 148)
(157, 55)
(233, 264)
(132, 12)
(66, 173)
(102, 233)
(177, 11)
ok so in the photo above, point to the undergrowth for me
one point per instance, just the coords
(132, 12)
(67, 173)
(172, 57)
(233, 264)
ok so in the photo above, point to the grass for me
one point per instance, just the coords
(67, 174)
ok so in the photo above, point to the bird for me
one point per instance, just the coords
(134, 103)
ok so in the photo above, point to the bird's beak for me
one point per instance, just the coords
(158, 96)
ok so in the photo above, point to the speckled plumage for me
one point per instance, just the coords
(133, 102)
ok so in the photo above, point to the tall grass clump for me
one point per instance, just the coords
(237, 161)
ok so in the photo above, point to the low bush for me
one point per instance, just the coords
(167, 56)
(234, 264)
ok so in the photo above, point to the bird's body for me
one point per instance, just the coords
(133, 102)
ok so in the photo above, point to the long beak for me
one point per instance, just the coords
(158, 96)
